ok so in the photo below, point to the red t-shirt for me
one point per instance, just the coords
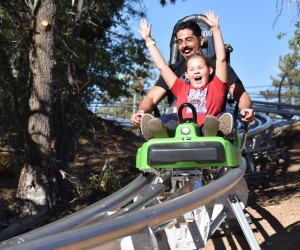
(209, 99)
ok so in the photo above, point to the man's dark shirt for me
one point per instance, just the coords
(180, 68)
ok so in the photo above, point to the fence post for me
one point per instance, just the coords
(134, 104)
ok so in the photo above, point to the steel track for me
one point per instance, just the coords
(94, 225)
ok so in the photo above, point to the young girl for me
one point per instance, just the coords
(207, 96)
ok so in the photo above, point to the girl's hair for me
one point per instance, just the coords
(199, 54)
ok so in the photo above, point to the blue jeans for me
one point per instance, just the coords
(168, 117)
(171, 122)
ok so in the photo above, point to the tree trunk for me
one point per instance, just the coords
(35, 180)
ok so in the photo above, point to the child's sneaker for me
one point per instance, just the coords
(144, 126)
(226, 124)
(211, 125)
(157, 129)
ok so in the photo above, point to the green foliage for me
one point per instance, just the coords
(94, 184)
(109, 183)
(97, 59)
(111, 180)
(288, 78)
(164, 2)
(281, 35)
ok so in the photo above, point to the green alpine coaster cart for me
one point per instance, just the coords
(189, 150)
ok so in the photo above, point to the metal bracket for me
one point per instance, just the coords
(240, 216)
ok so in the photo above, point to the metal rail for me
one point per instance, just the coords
(92, 226)
(277, 106)
(98, 209)
(100, 232)
(284, 110)
(264, 121)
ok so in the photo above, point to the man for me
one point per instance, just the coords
(189, 40)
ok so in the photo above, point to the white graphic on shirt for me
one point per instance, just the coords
(197, 97)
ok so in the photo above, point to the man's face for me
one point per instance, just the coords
(187, 42)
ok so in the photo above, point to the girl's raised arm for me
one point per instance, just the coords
(221, 63)
(167, 74)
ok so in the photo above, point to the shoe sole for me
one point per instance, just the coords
(156, 128)
(226, 123)
(144, 126)
(211, 125)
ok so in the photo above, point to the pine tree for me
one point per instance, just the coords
(287, 82)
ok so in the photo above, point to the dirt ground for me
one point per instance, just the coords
(275, 216)
(273, 203)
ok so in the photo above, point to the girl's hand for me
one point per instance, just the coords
(212, 20)
(145, 30)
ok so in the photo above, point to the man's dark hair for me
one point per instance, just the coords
(188, 25)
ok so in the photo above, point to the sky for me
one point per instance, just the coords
(248, 26)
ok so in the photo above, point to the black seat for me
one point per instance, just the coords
(208, 47)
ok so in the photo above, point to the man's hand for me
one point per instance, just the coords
(136, 118)
(247, 114)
